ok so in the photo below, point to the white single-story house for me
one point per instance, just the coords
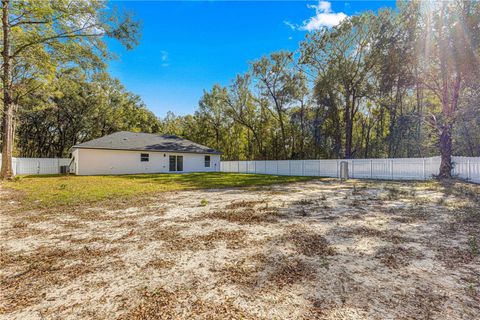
(132, 152)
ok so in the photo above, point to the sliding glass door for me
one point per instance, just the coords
(179, 163)
(175, 163)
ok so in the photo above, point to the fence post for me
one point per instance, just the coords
(38, 167)
(423, 170)
(303, 167)
(319, 167)
(338, 176)
(371, 169)
(391, 169)
(289, 167)
(255, 166)
(353, 170)
(238, 166)
(468, 169)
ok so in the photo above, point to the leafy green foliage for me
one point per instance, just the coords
(368, 87)
(81, 109)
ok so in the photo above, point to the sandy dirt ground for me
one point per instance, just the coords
(312, 250)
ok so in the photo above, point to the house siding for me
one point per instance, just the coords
(106, 162)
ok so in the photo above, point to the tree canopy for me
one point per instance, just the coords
(395, 83)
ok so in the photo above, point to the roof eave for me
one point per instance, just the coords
(145, 150)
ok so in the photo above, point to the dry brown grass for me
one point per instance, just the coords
(21, 232)
(176, 241)
(309, 243)
(244, 204)
(232, 239)
(248, 254)
(246, 215)
(159, 263)
(397, 256)
(261, 272)
(291, 270)
(422, 303)
(163, 304)
(243, 272)
(455, 256)
(44, 268)
(386, 235)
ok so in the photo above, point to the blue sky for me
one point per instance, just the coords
(188, 46)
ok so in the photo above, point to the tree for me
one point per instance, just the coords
(242, 108)
(77, 108)
(274, 77)
(40, 36)
(343, 53)
(451, 44)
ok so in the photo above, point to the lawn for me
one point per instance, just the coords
(318, 249)
(54, 190)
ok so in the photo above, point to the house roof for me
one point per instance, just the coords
(137, 141)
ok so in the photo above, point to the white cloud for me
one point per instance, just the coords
(291, 25)
(324, 18)
(164, 58)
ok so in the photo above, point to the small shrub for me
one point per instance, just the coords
(204, 202)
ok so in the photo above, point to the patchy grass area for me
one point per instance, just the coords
(319, 249)
(53, 190)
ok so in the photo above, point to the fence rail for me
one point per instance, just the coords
(37, 165)
(466, 168)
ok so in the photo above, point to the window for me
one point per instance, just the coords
(207, 161)
(175, 163)
(144, 157)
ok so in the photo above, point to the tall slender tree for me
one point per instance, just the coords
(39, 36)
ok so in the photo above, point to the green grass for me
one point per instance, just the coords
(56, 190)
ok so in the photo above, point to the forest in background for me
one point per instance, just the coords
(384, 84)
(395, 83)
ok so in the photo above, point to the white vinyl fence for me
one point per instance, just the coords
(467, 168)
(388, 169)
(38, 165)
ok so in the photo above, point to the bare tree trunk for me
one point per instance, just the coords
(348, 131)
(8, 103)
(349, 115)
(283, 133)
(446, 152)
(446, 129)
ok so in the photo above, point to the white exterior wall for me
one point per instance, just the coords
(104, 162)
(74, 165)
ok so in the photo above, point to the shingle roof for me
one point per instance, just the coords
(136, 141)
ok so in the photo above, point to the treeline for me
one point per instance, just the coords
(398, 83)
(77, 108)
(55, 89)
